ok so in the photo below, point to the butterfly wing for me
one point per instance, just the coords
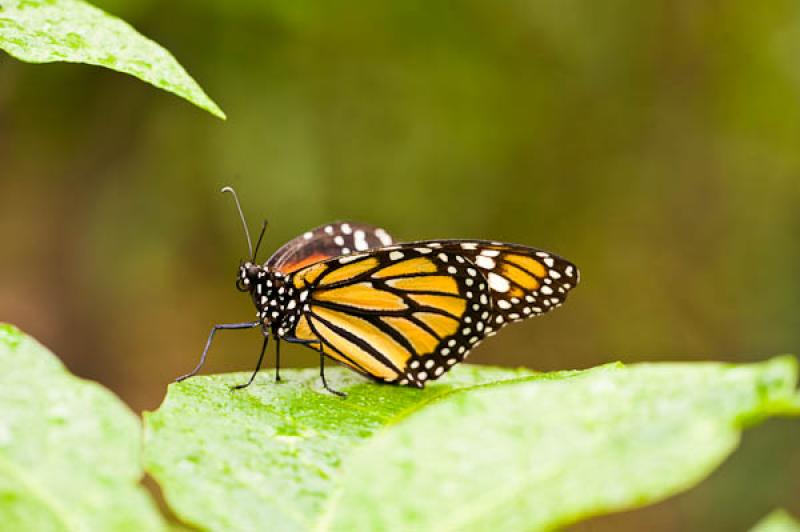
(325, 242)
(523, 281)
(408, 313)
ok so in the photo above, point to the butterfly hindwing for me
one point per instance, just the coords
(402, 314)
(325, 242)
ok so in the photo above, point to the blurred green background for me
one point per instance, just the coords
(655, 144)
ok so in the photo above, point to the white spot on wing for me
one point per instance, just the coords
(350, 258)
(346, 229)
(396, 255)
(484, 262)
(308, 235)
(497, 283)
(383, 236)
(360, 240)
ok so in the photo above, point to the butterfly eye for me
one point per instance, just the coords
(243, 285)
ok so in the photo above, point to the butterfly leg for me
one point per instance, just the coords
(318, 346)
(258, 365)
(214, 329)
(322, 375)
(277, 360)
(291, 340)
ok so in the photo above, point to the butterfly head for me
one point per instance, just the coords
(249, 276)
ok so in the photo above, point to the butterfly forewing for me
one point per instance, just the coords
(325, 242)
(523, 281)
(402, 314)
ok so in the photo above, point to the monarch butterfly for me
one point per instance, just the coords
(401, 313)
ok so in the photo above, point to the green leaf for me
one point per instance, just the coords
(69, 449)
(777, 521)
(546, 452)
(531, 452)
(268, 456)
(43, 31)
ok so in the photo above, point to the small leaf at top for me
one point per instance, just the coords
(43, 31)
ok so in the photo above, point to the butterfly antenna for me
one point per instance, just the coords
(241, 217)
(260, 237)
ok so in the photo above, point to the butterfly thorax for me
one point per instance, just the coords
(273, 295)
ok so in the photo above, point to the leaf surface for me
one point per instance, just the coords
(777, 521)
(269, 455)
(43, 31)
(481, 449)
(551, 451)
(69, 448)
